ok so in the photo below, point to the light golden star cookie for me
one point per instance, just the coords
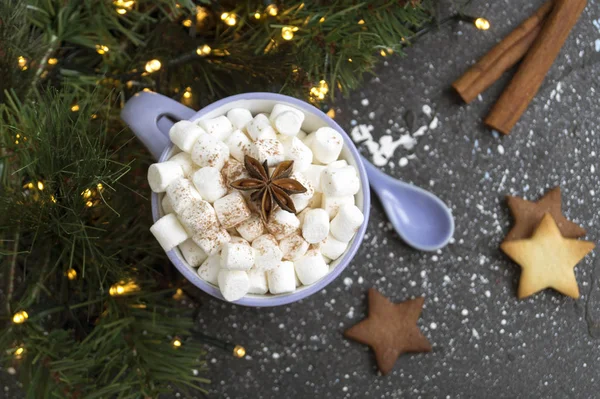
(547, 259)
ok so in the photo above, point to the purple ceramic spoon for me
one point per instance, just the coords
(421, 219)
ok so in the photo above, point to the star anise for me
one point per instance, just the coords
(268, 189)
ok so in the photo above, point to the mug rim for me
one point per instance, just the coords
(282, 299)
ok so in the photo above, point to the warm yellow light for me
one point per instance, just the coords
(257, 15)
(87, 193)
(71, 274)
(89, 204)
(322, 20)
(323, 87)
(203, 50)
(287, 33)
(20, 317)
(187, 93)
(201, 14)
(19, 352)
(75, 108)
(99, 186)
(239, 351)
(123, 288)
(482, 24)
(361, 22)
(178, 295)
(147, 90)
(30, 185)
(52, 61)
(383, 53)
(231, 20)
(121, 11)
(40, 186)
(272, 10)
(349, 59)
(102, 49)
(176, 343)
(321, 96)
(53, 198)
(152, 66)
(187, 23)
(331, 113)
(390, 51)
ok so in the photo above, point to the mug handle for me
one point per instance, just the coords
(150, 116)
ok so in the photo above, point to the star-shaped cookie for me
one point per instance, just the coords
(547, 259)
(390, 329)
(528, 216)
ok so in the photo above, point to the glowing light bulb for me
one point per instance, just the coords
(19, 352)
(287, 33)
(188, 92)
(331, 113)
(71, 274)
(231, 20)
(178, 295)
(100, 187)
(187, 23)
(272, 10)
(22, 61)
(123, 288)
(239, 351)
(349, 59)
(224, 16)
(361, 22)
(257, 15)
(152, 66)
(102, 49)
(482, 24)
(40, 186)
(322, 20)
(176, 343)
(20, 317)
(121, 11)
(52, 61)
(87, 193)
(89, 204)
(53, 198)
(383, 53)
(203, 50)
(75, 108)
(323, 87)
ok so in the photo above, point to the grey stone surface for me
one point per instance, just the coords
(486, 342)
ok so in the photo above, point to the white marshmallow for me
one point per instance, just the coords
(311, 267)
(260, 128)
(209, 269)
(239, 117)
(232, 171)
(251, 228)
(236, 239)
(209, 183)
(333, 204)
(220, 127)
(184, 135)
(211, 241)
(167, 207)
(338, 164)
(301, 215)
(332, 248)
(279, 109)
(237, 256)
(298, 152)
(316, 226)
(209, 151)
(313, 175)
(340, 182)
(199, 217)
(298, 282)
(231, 210)
(258, 281)
(234, 284)
(169, 232)
(302, 200)
(282, 278)
(282, 223)
(182, 194)
(293, 247)
(267, 254)
(287, 123)
(193, 254)
(240, 145)
(184, 160)
(160, 175)
(346, 223)
(308, 139)
(327, 145)
(270, 150)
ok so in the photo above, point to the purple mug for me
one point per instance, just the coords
(151, 115)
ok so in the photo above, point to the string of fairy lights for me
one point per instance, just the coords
(316, 93)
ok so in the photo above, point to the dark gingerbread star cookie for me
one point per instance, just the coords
(528, 216)
(390, 329)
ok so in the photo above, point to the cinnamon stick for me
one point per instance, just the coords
(502, 57)
(536, 64)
